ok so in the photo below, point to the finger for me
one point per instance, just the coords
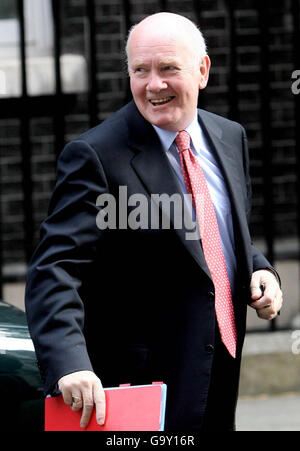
(262, 303)
(76, 401)
(256, 293)
(264, 313)
(268, 313)
(256, 288)
(88, 406)
(66, 393)
(99, 400)
(67, 396)
(267, 298)
(255, 283)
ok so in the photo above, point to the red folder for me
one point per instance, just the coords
(128, 408)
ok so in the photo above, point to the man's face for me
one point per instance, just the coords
(165, 78)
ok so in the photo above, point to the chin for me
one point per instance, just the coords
(166, 123)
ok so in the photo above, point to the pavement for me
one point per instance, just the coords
(269, 396)
(269, 413)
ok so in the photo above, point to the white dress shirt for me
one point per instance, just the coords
(215, 181)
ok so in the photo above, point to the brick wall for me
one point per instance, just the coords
(112, 83)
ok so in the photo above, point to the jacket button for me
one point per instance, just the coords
(211, 295)
(209, 349)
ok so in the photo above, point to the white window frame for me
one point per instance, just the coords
(39, 55)
(38, 31)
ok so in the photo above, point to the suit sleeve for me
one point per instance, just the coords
(258, 259)
(69, 237)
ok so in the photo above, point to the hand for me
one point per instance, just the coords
(83, 390)
(268, 303)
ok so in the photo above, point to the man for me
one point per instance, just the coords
(109, 304)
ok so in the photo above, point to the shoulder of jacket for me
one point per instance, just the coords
(219, 120)
(109, 133)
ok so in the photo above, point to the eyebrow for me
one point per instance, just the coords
(167, 61)
(136, 63)
(170, 62)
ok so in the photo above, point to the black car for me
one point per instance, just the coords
(21, 391)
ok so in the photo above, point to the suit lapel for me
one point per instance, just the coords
(153, 168)
(225, 156)
(232, 172)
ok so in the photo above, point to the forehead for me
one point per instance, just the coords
(159, 35)
(161, 54)
(162, 48)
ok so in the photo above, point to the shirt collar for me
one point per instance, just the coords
(167, 137)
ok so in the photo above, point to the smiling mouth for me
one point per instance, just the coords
(159, 102)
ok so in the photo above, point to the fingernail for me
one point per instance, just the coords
(100, 421)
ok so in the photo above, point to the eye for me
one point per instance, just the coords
(169, 68)
(139, 70)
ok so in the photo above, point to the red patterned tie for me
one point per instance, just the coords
(196, 185)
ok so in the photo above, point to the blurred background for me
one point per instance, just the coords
(62, 71)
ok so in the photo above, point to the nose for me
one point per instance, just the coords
(156, 83)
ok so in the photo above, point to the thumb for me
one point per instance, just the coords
(255, 288)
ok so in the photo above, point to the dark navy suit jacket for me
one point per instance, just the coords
(134, 305)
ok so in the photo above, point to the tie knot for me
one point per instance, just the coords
(182, 141)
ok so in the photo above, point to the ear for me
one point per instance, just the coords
(204, 72)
